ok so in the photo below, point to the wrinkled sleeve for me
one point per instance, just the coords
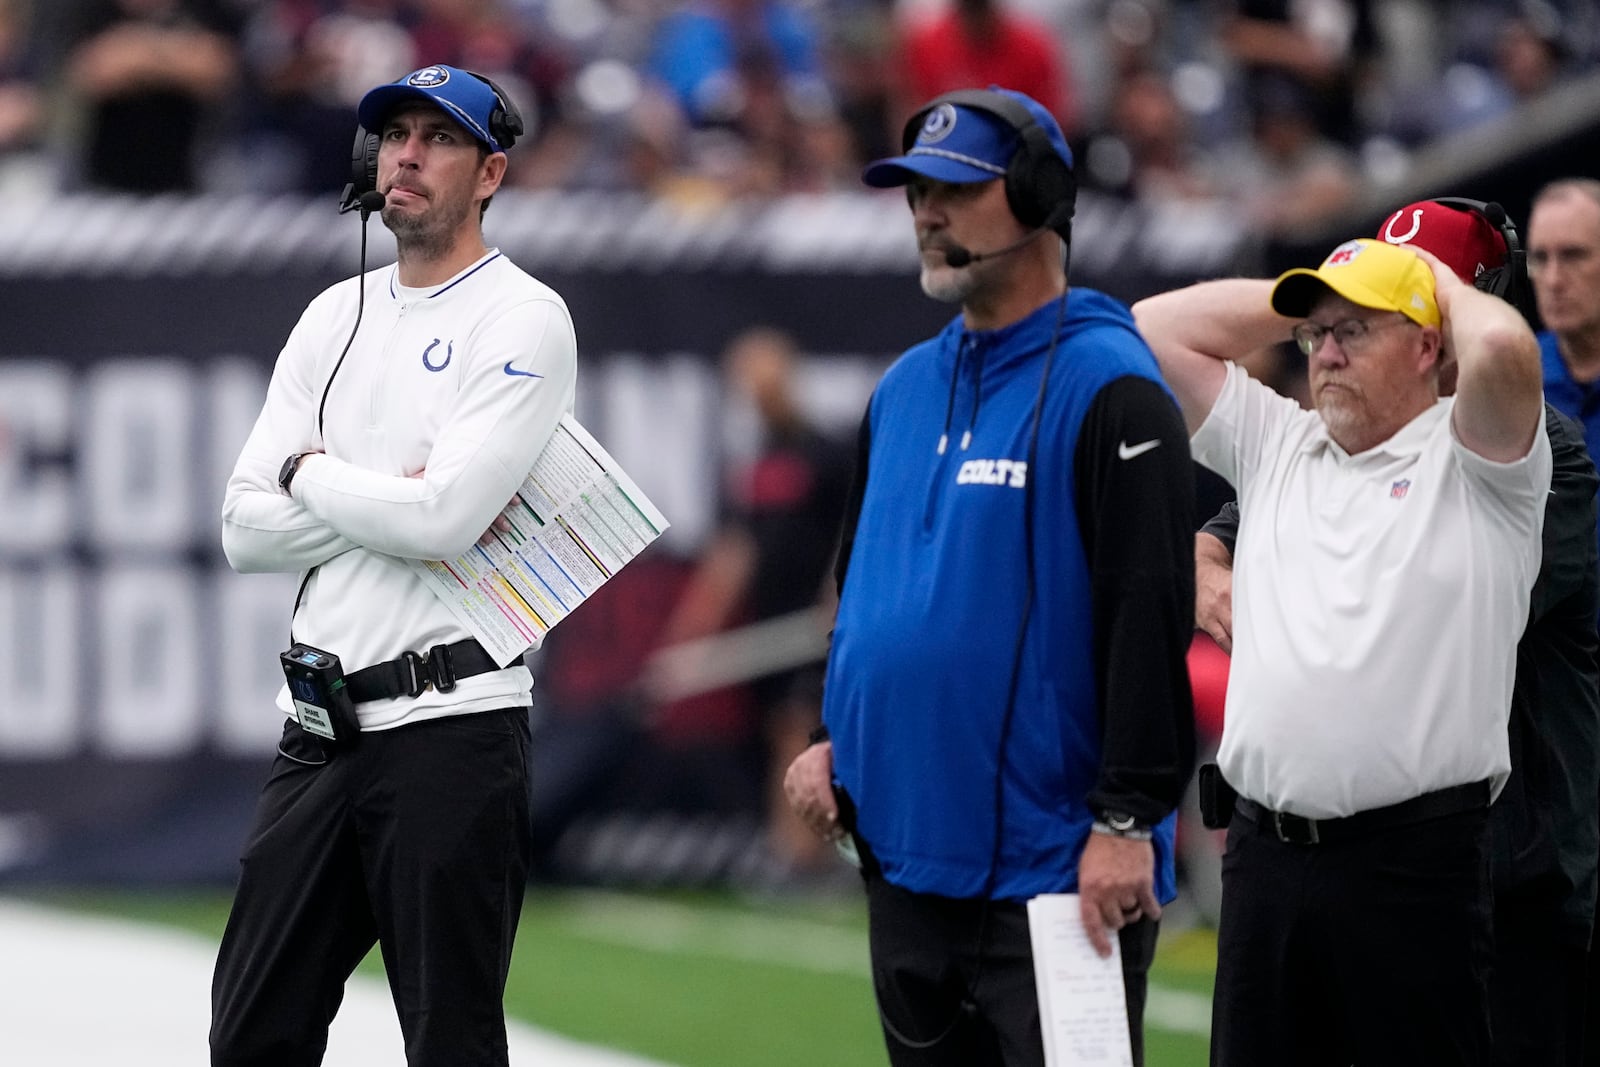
(263, 530)
(495, 431)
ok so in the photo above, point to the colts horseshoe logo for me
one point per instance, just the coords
(448, 352)
(1402, 238)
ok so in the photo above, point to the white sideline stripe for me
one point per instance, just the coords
(801, 944)
(661, 926)
(86, 991)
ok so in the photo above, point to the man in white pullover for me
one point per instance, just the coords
(401, 437)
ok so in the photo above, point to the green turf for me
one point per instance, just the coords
(703, 980)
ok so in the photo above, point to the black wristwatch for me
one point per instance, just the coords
(286, 472)
(1121, 824)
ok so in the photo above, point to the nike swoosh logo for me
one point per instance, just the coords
(1125, 452)
(514, 372)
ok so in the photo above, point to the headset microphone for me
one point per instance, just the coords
(369, 201)
(960, 257)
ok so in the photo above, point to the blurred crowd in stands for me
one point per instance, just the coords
(1280, 106)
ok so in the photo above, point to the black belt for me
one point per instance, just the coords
(1299, 830)
(414, 673)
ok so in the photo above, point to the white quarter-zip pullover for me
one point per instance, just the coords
(432, 420)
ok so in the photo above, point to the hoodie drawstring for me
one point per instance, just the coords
(977, 402)
(950, 404)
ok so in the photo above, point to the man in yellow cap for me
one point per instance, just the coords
(1379, 591)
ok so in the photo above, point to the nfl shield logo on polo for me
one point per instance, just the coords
(1398, 490)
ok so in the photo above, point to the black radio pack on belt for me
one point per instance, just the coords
(321, 700)
(1217, 797)
(325, 698)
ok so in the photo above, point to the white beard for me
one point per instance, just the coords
(949, 285)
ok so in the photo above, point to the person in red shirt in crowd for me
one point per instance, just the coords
(978, 42)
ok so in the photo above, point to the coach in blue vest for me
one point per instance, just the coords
(1007, 708)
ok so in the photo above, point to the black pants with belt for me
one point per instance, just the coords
(418, 838)
(926, 967)
(1372, 950)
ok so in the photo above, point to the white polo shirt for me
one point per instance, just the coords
(1378, 600)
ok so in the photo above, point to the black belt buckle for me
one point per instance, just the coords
(443, 671)
(417, 680)
(433, 671)
(1295, 829)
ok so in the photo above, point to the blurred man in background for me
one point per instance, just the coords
(1564, 265)
(769, 561)
(152, 77)
(984, 42)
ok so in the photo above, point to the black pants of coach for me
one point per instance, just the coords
(417, 839)
(1538, 986)
(1373, 950)
(937, 1010)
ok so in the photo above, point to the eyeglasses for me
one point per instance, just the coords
(1351, 335)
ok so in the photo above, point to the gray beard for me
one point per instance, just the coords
(948, 288)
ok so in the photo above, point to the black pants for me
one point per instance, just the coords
(1537, 988)
(1591, 999)
(1373, 951)
(925, 968)
(417, 839)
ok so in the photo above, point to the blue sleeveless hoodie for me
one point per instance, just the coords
(921, 659)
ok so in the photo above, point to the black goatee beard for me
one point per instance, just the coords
(423, 238)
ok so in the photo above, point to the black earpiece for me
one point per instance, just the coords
(363, 170)
(505, 121)
(505, 126)
(1040, 186)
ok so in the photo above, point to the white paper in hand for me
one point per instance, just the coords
(1083, 1009)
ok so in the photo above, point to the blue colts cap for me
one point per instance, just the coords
(961, 145)
(465, 97)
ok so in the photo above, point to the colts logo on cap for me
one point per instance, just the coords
(1403, 238)
(937, 126)
(429, 77)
